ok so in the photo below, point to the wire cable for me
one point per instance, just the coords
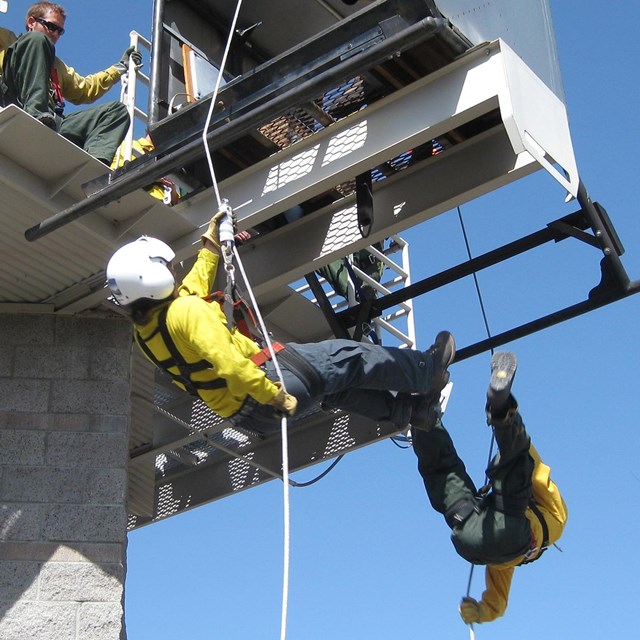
(472, 633)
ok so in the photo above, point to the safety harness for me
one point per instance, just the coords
(176, 359)
(185, 369)
(461, 510)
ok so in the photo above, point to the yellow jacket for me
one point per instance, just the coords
(199, 331)
(554, 510)
(75, 88)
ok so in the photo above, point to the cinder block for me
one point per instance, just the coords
(81, 582)
(86, 449)
(27, 329)
(65, 485)
(20, 522)
(78, 396)
(95, 333)
(111, 364)
(22, 447)
(64, 422)
(19, 580)
(99, 552)
(100, 621)
(82, 523)
(18, 394)
(6, 360)
(52, 362)
(38, 620)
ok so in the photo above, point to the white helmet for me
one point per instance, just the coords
(140, 269)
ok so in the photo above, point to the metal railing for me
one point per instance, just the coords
(398, 321)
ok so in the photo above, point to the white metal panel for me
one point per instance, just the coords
(525, 25)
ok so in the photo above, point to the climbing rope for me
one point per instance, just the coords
(472, 633)
(229, 251)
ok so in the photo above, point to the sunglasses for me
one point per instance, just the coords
(49, 26)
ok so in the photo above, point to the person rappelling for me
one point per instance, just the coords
(192, 340)
(514, 522)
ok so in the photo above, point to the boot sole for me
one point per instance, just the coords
(503, 371)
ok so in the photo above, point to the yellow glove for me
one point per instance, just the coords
(472, 611)
(284, 402)
(213, 232)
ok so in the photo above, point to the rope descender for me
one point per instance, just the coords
(227, 244)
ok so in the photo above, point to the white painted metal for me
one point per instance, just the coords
(493, 76)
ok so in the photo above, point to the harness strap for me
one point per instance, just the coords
(57, 92)
(264, 354)
(545, 533)
(239, 314)
(177, 360)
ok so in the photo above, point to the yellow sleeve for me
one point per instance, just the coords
(496, 595)
(200, 333)
(84, 89)
(199, 281)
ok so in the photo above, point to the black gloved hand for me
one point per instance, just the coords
(133, 54)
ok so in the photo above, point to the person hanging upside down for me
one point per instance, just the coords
(189, 338)
(522, 514)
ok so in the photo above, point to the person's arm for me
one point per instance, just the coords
(494, 599)
(87, 89)
(199, 281)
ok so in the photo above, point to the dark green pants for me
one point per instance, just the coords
(337, 274)
(498, 530)
(98, 130)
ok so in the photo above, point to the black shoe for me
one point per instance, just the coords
(503, 370)
(442, 351)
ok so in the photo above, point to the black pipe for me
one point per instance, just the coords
(154, 77)
(147, 173)
(568, 313)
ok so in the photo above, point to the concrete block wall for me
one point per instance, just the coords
(64, 422)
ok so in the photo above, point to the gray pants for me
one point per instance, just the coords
(98, 130)
(353, 376)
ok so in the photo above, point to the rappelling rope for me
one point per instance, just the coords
(472, 633)
(228, 248)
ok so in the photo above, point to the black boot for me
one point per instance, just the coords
(503, 371)
(442, 353)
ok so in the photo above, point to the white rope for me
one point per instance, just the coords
(283, 424)
(285, 453)
(214, 97)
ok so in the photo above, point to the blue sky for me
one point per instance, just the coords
(369, 558)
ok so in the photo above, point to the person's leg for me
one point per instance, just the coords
(510, 471)
(27, 70)
(444, 475)
(381, 406)
(345, 364)
(98, 130)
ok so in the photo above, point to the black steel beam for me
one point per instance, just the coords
(550, 233)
